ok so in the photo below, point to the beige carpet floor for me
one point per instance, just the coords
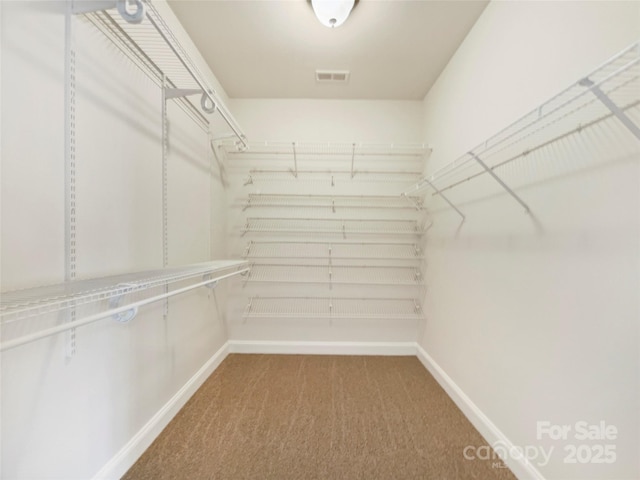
(317, 417)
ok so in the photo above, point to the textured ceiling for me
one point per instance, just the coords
(394, 49)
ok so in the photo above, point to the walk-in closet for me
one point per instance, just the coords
(319, 239)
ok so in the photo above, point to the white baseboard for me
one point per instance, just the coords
(128, 454)
(134, 448)
(520, 467)
(323, 348)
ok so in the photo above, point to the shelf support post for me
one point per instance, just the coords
(499, 180)
(165, 185)
(633, 128)
(70, 169)
(442, 195)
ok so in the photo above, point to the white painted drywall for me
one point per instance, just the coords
(538, 320)
(68, 417)
(306, 120)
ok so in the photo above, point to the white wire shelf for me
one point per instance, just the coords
(30, 314)
(331, 159)
(334, 202)
(332, 250)
(150, 39)
(335, 274)
(344, 227)
(333, 177)
(333, 308)
(611, 92)
(345, 149)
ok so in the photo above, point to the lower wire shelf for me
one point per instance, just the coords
(31, 314)
(333, 308)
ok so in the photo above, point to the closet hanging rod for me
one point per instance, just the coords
(111, 312)
(578, 91)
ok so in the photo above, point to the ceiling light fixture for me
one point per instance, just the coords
(332, 13)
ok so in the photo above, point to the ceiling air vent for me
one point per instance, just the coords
(332, 76)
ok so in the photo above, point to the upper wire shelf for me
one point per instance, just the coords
(146, 34)
(30, 314)
(295, 158)
(612, 90)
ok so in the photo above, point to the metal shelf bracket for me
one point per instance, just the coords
(114, 302)
(206, 102)
(213, 284)
(627, 122)
(499, 180)
(442, 195)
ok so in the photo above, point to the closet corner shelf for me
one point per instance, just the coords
(145, 34)
(31, 314)
(304, 308)
(609, 91)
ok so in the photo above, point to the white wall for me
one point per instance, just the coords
(306, 120)
(536, 317)
(67, 417)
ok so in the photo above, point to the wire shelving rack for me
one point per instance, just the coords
(332, 250)
(335, 274)
(333, 202)
(138, 28)
(612, 91)
(301, 308)
(30, 314)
